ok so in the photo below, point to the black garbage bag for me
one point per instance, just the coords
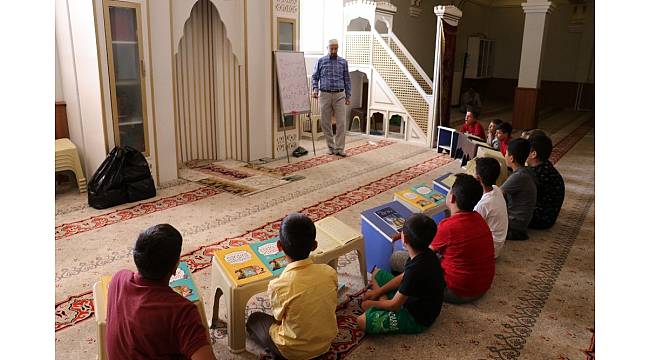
(123, 177)
(300, 151)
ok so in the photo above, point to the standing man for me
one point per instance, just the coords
(335, 91)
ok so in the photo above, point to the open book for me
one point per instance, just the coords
(485, 152)
(274, 259)
(182, 282)
(242, 265)
(332, 233)
(337, 229)
(428, 193)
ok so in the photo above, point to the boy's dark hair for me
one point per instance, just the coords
(297, 235)
(519, 149)
(532, 132)
(467, 190)
(488, 169)
(474, 113)
(419, 231)
(505, 128)
(497, 122)
(157, 251)
(542, 144)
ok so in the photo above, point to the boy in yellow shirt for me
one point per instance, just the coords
(303, 299)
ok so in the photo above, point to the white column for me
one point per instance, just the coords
(451, 15)
(77, 50)
(533, 42)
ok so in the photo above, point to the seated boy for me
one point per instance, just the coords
(550, 185)
(492, 205)
(519, 190)
(410, 302)
(144, 313)
(504, 135)
(492, 139)
(464, 244)
(303, 298)
(472, 126)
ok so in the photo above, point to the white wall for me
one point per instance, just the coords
(568, 55)
(505, 26)
(58, 86)
(332, 22)
(418, 34)
(163, 90)
(77, 52)
(474, 21)
(259, 78)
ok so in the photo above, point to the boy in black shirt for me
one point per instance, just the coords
(550, 185)
(410, 302)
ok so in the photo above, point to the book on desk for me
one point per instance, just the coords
(387, 219)
(332, 233)
(181, 282)
(242, 264)
(470, 167)
(274, 259)
(428, 192)
(444, 183)
(381, 226)
(255, 261)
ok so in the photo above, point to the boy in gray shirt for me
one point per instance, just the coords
(520, 190)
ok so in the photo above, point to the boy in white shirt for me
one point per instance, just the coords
(492, 205)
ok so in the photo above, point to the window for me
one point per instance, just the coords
(311, 27)
(285, 34)
(287, 42)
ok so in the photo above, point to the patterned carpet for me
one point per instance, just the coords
(541, 305)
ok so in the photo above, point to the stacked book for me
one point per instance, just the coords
(421, 199)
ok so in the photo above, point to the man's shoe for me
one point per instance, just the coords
(342, 153)
(331, 152)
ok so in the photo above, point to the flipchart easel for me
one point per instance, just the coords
(293, 93)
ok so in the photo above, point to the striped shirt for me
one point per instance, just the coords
(333, 74)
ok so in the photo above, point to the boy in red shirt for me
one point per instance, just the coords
(464, 244)
(472, 126)
(145, 318)
(504, 134)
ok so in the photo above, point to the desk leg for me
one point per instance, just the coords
(334, 264)
(237, 324)
(215, 309)
(362, 266)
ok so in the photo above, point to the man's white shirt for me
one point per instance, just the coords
(494, 210)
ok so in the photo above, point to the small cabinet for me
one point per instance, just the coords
(123, 31)
(123, 54)
(480, 58)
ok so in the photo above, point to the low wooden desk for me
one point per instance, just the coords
(237, 297)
